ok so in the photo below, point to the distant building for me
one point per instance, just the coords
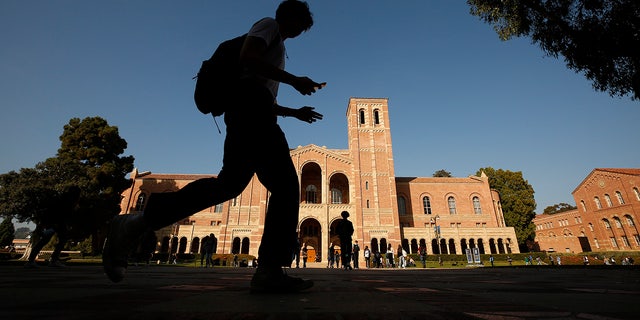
(608, 208)
(447, 215)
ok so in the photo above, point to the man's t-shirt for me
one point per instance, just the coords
(268, 30)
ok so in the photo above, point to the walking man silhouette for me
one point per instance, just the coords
(344, 231)
(254, 144)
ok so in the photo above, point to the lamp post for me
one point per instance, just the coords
(193, 226)
(436, 230)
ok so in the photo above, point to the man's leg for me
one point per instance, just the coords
(279, 239)
(164, 209)
(277, 173)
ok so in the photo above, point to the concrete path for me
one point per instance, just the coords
(174, 292)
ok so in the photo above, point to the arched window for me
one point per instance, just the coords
(584, 206)
(476, 205)
(311, 194)
(402, 205)
(630, 222)
(141, 202)
(597, 201)
(637, 193)
(245, 246)
(426, 205)
(608, 200)
(606, 223)
(336, 196)
(218, 208)
(376, 116)
(452, 205)
(362, 116)
(619, 196)
(617, 222)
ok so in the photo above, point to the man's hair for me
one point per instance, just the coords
(295, 9)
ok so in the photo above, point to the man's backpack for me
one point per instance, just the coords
(218, 77)
(217, 80)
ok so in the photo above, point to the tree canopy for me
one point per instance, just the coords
(518, 203)
(89, 158)
(600, 38)
(557, 208)
(442, 173)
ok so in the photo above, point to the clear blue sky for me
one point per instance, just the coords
(460, 99)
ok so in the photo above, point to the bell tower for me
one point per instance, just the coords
(374, 182)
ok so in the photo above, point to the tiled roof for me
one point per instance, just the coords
(629, 171)
(174, 176)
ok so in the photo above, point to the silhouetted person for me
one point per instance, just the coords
(423, 255)
(345, 231)
(330, 256)
(356, 255)
(209, 249)
(254, 144)
(56, 219)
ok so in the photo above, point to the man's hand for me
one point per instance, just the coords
(306, 86)
(307, 114)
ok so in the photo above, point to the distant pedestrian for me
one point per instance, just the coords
(558, 260)
(356, 255)
(423, 255)
(209, 246)
(305, 255)
(345, 231)
(296, 254)
(390, 258)
(367, 256)
(585, 260)
(491, 260)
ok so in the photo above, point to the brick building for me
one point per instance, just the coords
(608, 208)
(447, 215)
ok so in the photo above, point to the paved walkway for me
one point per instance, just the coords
(173, 292)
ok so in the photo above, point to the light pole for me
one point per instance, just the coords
(436, 230)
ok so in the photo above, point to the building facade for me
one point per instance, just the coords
(608, 208)
(446, 215)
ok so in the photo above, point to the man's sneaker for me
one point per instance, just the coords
(277, 282)
(124, 233)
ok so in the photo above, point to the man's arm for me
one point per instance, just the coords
(306, 113)
(252, 54)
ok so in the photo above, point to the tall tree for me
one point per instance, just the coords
(442, 173)
(89, 157)
(7, 232)
(600, 38)
(518, 203)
